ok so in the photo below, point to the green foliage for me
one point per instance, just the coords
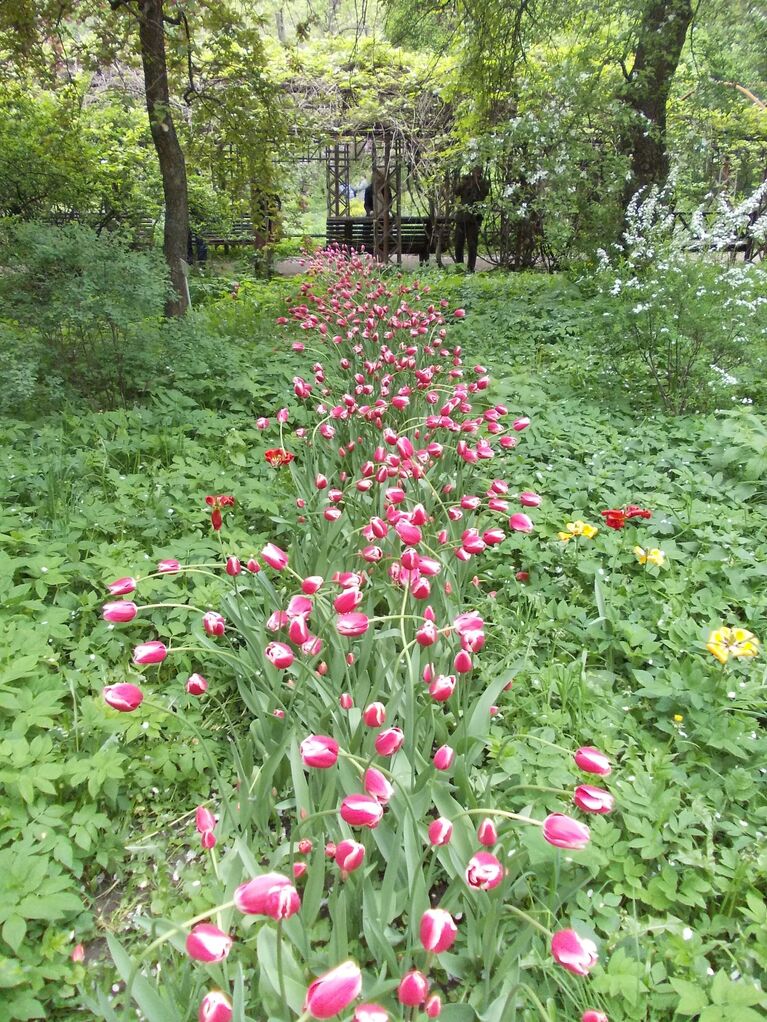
(80, 313)
(686, 320)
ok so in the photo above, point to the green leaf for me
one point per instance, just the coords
(692, 998)
(143, 992)
(14, 930)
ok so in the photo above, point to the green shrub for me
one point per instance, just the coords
(682, 320)
(81, 315)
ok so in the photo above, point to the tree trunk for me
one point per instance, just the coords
(662, 33)
(169, 154)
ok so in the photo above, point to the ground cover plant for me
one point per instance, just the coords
(603, 650)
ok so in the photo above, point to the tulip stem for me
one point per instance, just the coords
(529, 920)
(280, 972)
(534, 998)
(500, 812)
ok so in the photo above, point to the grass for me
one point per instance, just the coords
(614, 654)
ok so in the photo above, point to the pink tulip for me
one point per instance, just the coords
(444, 757)
(520, 523)
(262, 423)
(349, 855)
(563, 832)
(319, 751)
(275, 557)
(270, 894)
(493, 536)
(345, 700)
(592, 761)
(374, 715)
(592, 1015)
(376, 784)
(311, 584)
(484, 871)
(334, 991)
(149, 653)
(438, 930)
(413, 989)
(280, 655)
(196, 685)
(208, 840)
(299, 606)
(442, 687)
(574, 953)
(213, 623)
(433, 1006)
(529, 499)
(348, 600)
(486, 833)
(426, 635)
(122, 586)
(168, 566)
(298, 631)
(352, 624)
(390, 741)
(204, 819)
(206, 943)
(593, 800)
(408, 533)
(215, 1007)
(233, 566)
(119, 611)
(124, 698)
(361, 811)
(253, 566)
(440, 832)
(370, 1013)
(462, 663)
(78, 953)
(519, 424)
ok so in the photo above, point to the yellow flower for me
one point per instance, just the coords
(724, 643)
(678, 718)
(651, 556)
(578, 528)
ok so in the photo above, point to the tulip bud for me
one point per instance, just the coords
(370, 1013)
(484, 871)
(279, 655)
(563, 832)
(168, 567)
(125, 697)
(233, 566)
(592, 761)
(438, 930)
(377, 785)
(413, 988)
(311, 584)
(196, 685)
(462, 663)
(119, 611)
(486, 833)
(275, 557)
(521, 523)
(444, 757)
(390, 741)
(592, 1015)
(149, 653)
(319, 751)
(349, 855)
(206, 943)
(208, 840)
(334, 991)
(361, 811)
(593, 800)
(213, 623)
(204, 819)
(374, 715)
(78, 953)
(215, 1007)
(574, 953)
(345, 700)
(270, 894)
(440, 832)
(122, 586)
(433, 1006)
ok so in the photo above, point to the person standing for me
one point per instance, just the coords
(471, 189)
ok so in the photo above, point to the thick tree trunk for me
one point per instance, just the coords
(662, 33)
(169, 154)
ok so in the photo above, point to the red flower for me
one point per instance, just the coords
(632, 511)
(278, 456)
(614, 519)
(216, 503)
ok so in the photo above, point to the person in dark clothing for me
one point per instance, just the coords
(368, 199)
(471, 188)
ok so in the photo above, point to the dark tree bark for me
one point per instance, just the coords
(662, 33)
(169, 152)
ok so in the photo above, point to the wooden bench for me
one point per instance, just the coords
(417, 234)
(240, 234)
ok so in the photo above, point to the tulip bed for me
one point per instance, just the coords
(454, 743)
